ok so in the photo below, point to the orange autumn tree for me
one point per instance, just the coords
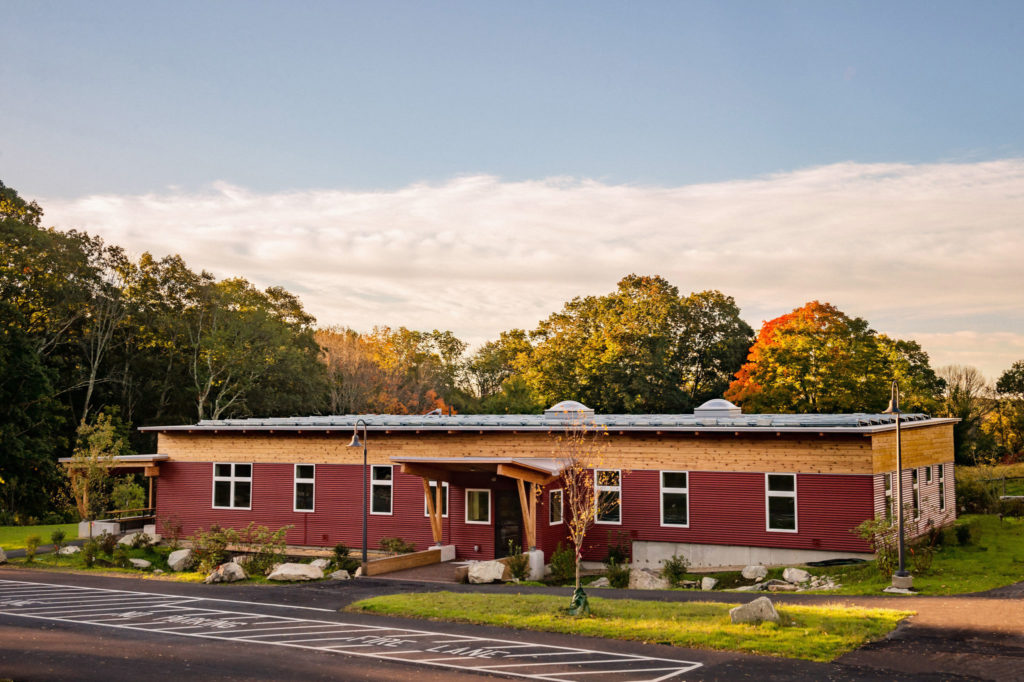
(818, 359)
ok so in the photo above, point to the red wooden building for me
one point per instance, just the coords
(721, 487)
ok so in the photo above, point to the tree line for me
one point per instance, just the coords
(88, 333)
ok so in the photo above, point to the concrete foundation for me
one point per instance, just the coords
(536, 564)
(652, 554)
(98, 528)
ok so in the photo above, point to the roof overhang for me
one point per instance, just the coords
(125, 461)
(539, 470)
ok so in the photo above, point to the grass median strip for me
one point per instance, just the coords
(816, 633)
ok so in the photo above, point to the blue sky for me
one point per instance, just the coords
(472, 165)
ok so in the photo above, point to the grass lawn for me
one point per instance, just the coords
(817, 633)
(995, 558)
(13, 537)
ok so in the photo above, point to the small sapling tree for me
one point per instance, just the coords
(98, 444)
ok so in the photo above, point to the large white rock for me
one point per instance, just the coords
(600, 582)
(756, 572)
(486, 572)
(340, 575)
(226, 573)
(140, 563)
(129, 538)
(795, 575)
(293, 572)
(180, 560)
(640, 579)
(70, 549)
(322, 564)
(708, 583)
(3, 556)
(757, 611)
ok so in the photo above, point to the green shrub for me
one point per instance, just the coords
(120, 557)
(31, 545)
(517, 562)
(977, 491)
(141, 541)
(127, 494)
(107, 542)
(619, 547)
(89, 551)
(674, 569)
(265, 547)
(563, 564)
(57, 538)
(209, 548)
(171, 528)
(396, 546)
(617, 574)
(343, 561)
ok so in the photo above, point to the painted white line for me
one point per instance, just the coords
(574, 673)
(539, 663)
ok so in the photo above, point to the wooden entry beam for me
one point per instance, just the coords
(528, 502)
(434, 510)
(524, 474)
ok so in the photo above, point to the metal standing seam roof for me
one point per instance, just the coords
(751, 423)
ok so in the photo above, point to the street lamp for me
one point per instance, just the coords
(354, 443)
(902, 577)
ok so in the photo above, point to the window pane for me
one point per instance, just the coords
(304, 496)
(304, 471)
(781, 483)
(222, 470)
(673, 479)
(555, 513)
(242, 493)
(608, 478)
(381, 502)
(382, 473)
(243, 470)
(782, 513)
(433, 496)
(675, 508)
(478, 505)
(221, 494)
(608, 506)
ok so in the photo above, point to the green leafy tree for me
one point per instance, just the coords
(98, 444)
(966, 396)
(1006, 423)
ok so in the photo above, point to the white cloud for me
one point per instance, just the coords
(928, 251)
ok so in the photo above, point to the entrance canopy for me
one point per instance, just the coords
(530, 474)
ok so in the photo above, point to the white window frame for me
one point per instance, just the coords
(561, 506)
(390, 483)
(661, 497)
(780, 493)
(598, 489)
(232, 478)
(942, 487)
(295, 488)
(489, 502)
(888, 481)
(915, 486)
(928, 474)
(447, 502)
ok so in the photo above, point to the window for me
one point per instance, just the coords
(608, 497)
(380, 489)
(888, 498)
(478, 505)
(942, 487)
(675, 499)
(305, 482)
(928, 474)
(433, 496)
(232, 486)
(916, 500)
(555, 507)
(780, 500)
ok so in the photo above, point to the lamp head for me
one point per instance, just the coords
(894, 400)
(355, 442)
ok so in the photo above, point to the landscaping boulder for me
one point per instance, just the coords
(292, 572)
(757, 611)
(130, 538)
(322, 564)
(784, 587)
(486, 572)
(180, 560)
(641, 579)
(756, 587)
(600, 582)
(708, 583)
(795, 575)
(70, 549)
(340, 575)
(140, 563)
(226, 573)
(358, 573)
(756, 572)
(3, 556)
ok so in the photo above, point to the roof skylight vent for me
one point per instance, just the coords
(717, 408)
(569, 410)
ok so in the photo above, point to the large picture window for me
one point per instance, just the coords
(608, 495)
(478, 505)
(675, 498)
(433, 496)
(780, 501)
(305, 483)
(555, 507)
(232, 486)
(380, 489)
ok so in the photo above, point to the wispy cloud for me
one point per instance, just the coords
(928, 251)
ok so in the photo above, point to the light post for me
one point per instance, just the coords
(902, 577)
(354, 443)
